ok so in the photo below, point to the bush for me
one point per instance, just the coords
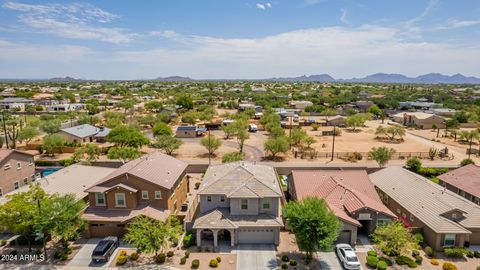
(434, 262)
(293, 262)
(429, 251)
(197, 185)
(404, 260)
(466, 162)
(285, 258)
(160, 258)
(195, 264)
(187, 254)
(454, 252)
(121, 260)
(470, 254)
(187, 240)
(123, 253)
(284, 266)
(69, 251)
(213, 263)
(372, 253)
(372, 261)
(170, 254)
(386, 260)
(419, 259)
(382, 265)
(57, 255)
(415, 253)
(432, 172)
(3, 243)
(183, 260)
(134, 256)
(64, 257)
(219, 259)
(476, 254)
(414, 164)
(419, 237)
(449, 266)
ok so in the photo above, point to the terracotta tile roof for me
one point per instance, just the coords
(102, 214)
(345, 192)
(426, 200)
(157, 168)
(221, 218)
(241, 180)
(466, 178)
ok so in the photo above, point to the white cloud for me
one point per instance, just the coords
(77, 21)
(454, 24)
(263, 6)
(269, 5)
(343, 17)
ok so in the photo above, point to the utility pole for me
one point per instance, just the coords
(290, 133)
(209, 149)
(333, 144)
(5, 129)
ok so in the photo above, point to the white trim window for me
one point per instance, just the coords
(145, 194)
(25, 181)
(449, 240)
(158, 194)
(266, 203)
(100, 199)
(222, 198)
(120, 200)
(30, 161)
(19, 165)
(244, 204)
(209, 198)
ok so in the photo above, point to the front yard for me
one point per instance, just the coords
(288, 247)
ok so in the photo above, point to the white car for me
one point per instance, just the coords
(347, 256)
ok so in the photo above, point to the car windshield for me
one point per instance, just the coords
(102, 247)
(352, 259)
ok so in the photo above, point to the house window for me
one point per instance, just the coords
(398, 210)
(30, 161)
(411, 217)
(243, 204)
(383, 222)
(145, 194)
(15, 185)
(454, 216)
(158, 194)
(1, 192)
(37, 175)
(209, 198)
(33, 178)
(25, 181)
(6, 167)
(449, 240)
(19, 166)
(222, 198)
(266, 203)
(120, 200)
(100, 199)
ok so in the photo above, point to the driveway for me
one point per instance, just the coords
(328, 260)
(256, 257)
(84, 256)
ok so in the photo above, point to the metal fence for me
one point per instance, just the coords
(396, 156)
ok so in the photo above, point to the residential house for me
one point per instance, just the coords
(348, 193)
(464, 181)
(337, 120)
(239, 202)
(189, 131)
(16, 169)
(419, 119)
(155, 185)
(300, 104)
(84, 133)
(18, 103)
(445, 218)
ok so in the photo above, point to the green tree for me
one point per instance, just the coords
(27, 134)
(466, 162)
(185, 101)
(381, 155)
(162, 129)
(232, 157)
(297, 137)
(314, 225)
(127, 136)
(167, 143)
(242, 135)
(394, 239)
(276, 145)
(88, 154)
(229, 130)
(375, 110)
(154, 106)
(414, 164)
(124, 154)
(211, 143)
(189, 117)
(52, 143)
(50, 126)
(357, 120)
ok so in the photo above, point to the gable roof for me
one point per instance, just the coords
(157, 168)
(5, 153)
(222, 218)
(466, 178)
(241, 180)
(81, 131)
(426, 200)
(345, 192)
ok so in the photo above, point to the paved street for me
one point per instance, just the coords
(256, 257)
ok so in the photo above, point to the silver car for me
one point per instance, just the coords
(347, 256)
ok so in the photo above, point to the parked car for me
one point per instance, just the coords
(347, 256)
(252, 128)
(105, 249)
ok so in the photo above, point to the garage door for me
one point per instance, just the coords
(104, 230)
(256, 236)
(344, 237)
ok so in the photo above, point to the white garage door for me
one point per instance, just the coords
(256, 236)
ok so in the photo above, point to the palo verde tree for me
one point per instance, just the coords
(314, 225)
(167, 144)
(382, 155)
(127, 136)
(211, 143)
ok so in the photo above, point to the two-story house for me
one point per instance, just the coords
(465, 181)
(16, 169)
(154, 185)
(239, 202)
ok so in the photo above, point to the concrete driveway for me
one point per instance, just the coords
(84, 256)
(256, 257)
(329, 261)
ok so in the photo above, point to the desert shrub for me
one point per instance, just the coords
(466, 162)
(285, 258)
(419, 237)
(134, 256)
(429, 251)
(419, 259)
(64, 257)
(284, 266)
(386, 260)
(470, 254)
(183, 260)
(57, 255)
(454, 252)
(3, 242)
(415, 253)
(449, 266)
(170, 254)
(476, 254)
(197, 185)
(160, 258)
(219, 259)
(187, 254)
(382, 265)
(69, 251)
(293, 262)
(121, 260)
(372, 261)
(372, 253)
(195, 264)
(404, 260)
(213, 263)
(434, 262)
(123, 253)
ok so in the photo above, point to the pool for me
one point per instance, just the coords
(50, 171)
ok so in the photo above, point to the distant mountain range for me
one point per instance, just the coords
(174, 79)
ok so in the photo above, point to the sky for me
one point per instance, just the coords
(237, 39)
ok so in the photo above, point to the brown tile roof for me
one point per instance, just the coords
(466, 178)
(344, 191)
(221, 218)
(426, 200)
(4, 153)
(157, 168)
(241, 180)
(102, 214)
